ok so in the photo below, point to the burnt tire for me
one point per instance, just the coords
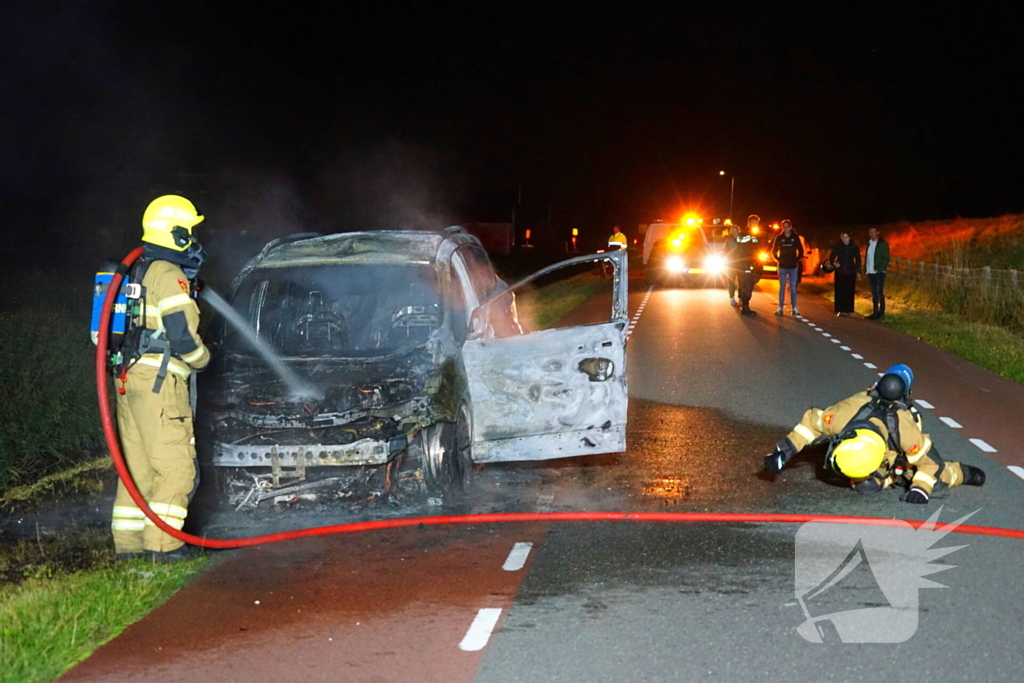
(445, 452)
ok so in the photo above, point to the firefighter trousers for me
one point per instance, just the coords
(951, 475)
(159, 446)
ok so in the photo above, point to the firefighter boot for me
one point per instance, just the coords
(185, 552)
(972, 475)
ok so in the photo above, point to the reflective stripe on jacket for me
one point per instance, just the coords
(171, 309)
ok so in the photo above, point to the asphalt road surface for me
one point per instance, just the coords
(711, 392)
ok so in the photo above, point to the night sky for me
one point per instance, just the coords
(278, 117)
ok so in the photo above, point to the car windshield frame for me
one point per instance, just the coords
(372, 312)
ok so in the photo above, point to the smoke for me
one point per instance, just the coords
(393, 186)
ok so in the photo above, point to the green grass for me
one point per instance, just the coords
(542, 307)
(918, 313)
(991, 347)
(50, 419)
(50, 623)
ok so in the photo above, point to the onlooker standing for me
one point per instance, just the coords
(845, 262)
(876, 260)
(787, 250)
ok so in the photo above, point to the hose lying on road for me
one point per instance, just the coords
(110, 433)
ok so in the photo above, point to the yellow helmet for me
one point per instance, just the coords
(168, 222)
(861, 454)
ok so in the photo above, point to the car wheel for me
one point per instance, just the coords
(463, 467)
(445, 452)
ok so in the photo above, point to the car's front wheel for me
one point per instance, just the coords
(445, 451)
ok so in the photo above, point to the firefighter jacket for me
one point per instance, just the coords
(172, 314)
(913, 442)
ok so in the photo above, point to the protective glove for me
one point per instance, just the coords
(916, 496)
(775, 461)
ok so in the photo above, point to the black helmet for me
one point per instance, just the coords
(891, 387)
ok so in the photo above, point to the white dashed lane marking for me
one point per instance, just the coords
(835, 341)
(825, 334)
(1016, 469)
(845, 348)
(872, 366)
(639, 312)
(480, 630)
(517, 558)
(983, 446)
(857, 356)
(924, 404)
(951, 422)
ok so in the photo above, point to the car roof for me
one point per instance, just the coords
(371, 247)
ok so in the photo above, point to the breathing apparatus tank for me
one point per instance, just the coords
(127, 308)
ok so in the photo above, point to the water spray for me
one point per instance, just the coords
(297, 388)
(110, 434)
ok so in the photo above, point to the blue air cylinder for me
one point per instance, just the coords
(118, 317)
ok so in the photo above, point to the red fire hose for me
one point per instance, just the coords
(114, 445)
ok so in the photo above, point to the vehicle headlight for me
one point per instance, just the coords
(674, 264)
(715, 264)
(763, 256)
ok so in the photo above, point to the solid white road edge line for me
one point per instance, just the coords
(517, 557)
(983, 446)
(480, 630)
(951, 422)
(1016, 469)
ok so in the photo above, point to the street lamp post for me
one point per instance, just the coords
(732, 190)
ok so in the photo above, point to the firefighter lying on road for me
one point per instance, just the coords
(876, 440)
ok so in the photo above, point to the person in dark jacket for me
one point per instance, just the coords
(876, 260)
(844, 261)
(788, 250)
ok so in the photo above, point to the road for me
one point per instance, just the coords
(711, 392)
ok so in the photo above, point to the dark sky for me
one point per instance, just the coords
(278, 117)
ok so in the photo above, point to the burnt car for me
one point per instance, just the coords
(401, 347)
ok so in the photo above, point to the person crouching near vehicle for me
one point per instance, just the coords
(844, 262)
(876, 439)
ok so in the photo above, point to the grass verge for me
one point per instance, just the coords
(50, 419)
(990, 346)
(542, 307)
(50, 623)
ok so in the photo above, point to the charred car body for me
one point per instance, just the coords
(412, 346)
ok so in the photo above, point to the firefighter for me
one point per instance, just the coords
(154, 404)
(876, 439)
(744, 263)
